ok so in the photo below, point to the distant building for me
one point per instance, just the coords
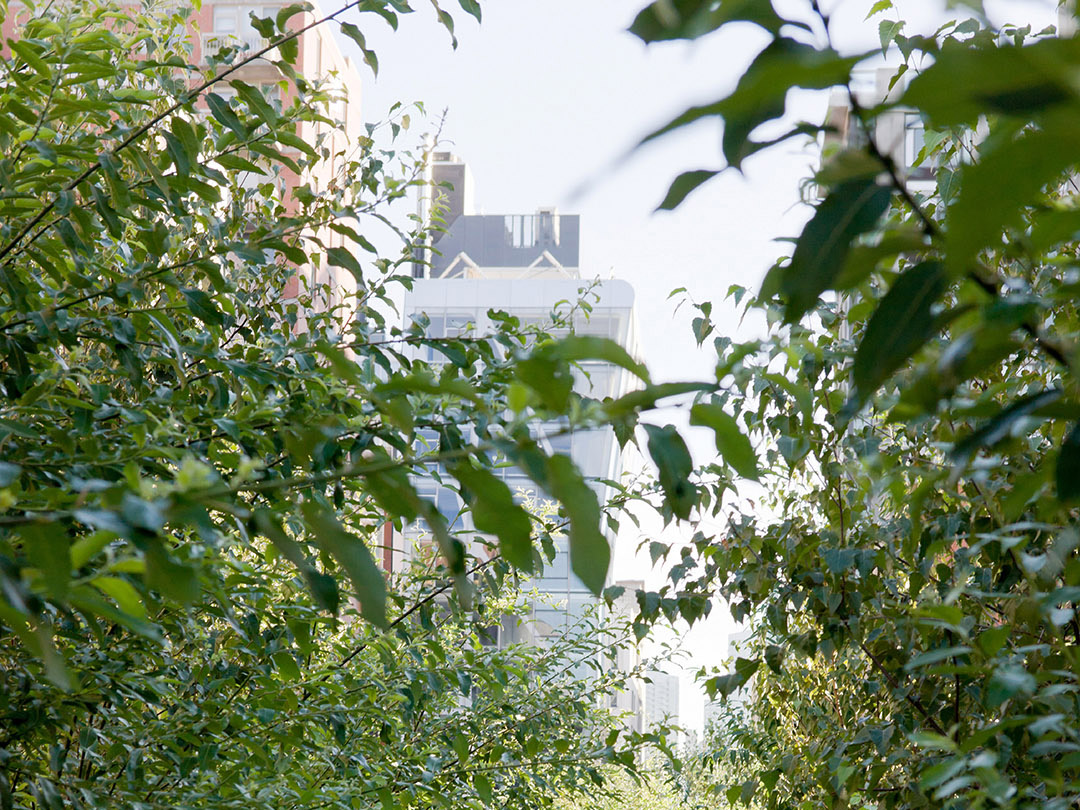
(735, 649)
(220, 24)
(662, 698)
(630, 703)
(525, 265)
(900, 134)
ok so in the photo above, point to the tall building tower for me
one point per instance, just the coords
(525, 265)
(662, 698)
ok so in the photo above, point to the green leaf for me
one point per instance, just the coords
(323, 588)
(48, 549)
(998, 428)
(288, 12)
(27, 51)
(942, 772)
(123, 593)
(899, 327)
(682, 185)
(878, 7)
(762, 91)
(690, 19)
(256, 101)
(287, 666)
(55, 666)
(289, 49)
(647, 397)
(86, 548)
(202, 306)
(357, 36)
(1024, 165)
(175, 580)
(726, 685)
(1008, 682)
(354, 556)
(494, 512)
(340, 257)
(461, 748)
(672, 459)
(220, 109)
(993, 639)
(774, 657)
(590, 554)
(471, 7)
(849, 210)
(965, 83)
(180, 157)
(482, 787)
(838, 560)
(1067, 471)
(887, 31)
(578, 348)
(732, 445)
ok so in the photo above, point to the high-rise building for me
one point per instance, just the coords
(629, 703)
(662, 698)
(526, 265)
(737, 644)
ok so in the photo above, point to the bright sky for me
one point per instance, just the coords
(549, 97)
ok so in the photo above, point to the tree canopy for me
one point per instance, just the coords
(198, 467)
(913, 577)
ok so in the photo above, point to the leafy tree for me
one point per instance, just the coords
(914, 574)
(197, 469)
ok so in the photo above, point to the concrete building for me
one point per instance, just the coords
(630, 703)
(898, 133)
(662, 698)
(526, 265)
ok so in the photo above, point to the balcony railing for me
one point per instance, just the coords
(246, 44)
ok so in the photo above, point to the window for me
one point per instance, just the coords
(914, 142)
(225, 19)
(237, 20)
(233, 29)
(446, 326)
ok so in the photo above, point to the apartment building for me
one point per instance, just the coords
(897, 132)
(225, 29)
(526, 265)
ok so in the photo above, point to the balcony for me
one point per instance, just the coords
(246, 44)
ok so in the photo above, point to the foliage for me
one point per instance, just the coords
(655, 790)
(199, 466)
(913, 574)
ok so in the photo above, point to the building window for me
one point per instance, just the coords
(237, 19)
(914, 142)
(233, 28)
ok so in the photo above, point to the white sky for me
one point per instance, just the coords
(547, 97)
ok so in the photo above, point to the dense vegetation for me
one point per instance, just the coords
(198, 467)
(913, 578)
